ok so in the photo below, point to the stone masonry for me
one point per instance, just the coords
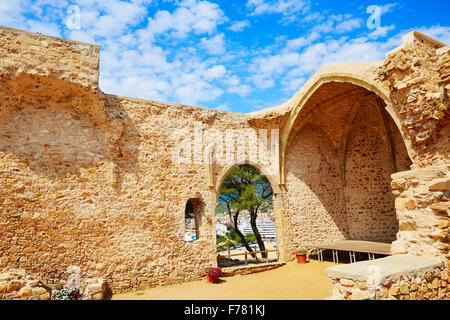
(95, 180)
(401, 277)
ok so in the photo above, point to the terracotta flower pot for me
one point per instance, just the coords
(301, 257)
(211, 279)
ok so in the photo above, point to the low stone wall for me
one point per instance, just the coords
(232, 271)
(402, 277)
(16, 284)
(423, 208)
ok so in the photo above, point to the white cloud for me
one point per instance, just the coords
(300, 42)
(239, 26)
(241, 90)
(381, 32)
(338, 24)
(14, 14)
(132, 65)
(266, 69)
(11, 13)
(196, 90)
(349, 25)
(292, 84)
(291, 67)
(200, 17)
(313, 16)
(284, 7)
(387, 7)
(150, 72)
(214, 45)
(215, 72)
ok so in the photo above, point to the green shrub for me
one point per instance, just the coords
(220, 238)
(250, 237)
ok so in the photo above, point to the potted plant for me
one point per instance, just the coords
(66, 291)
(301, 255)
(213, 273)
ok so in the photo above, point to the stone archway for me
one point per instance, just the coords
(339, 148)
(272, 179)
(298, 113)
(278, 207)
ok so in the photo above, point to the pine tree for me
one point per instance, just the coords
(246, 189)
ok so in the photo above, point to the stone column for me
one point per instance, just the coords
(422, 204)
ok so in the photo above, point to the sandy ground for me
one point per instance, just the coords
(293, 281)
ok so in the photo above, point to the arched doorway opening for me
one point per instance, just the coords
(246, 228)
(342, 144)
(192, 219)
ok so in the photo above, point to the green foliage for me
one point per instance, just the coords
(221, 208)
(234, 242)
(250, 237)
(229, 243)
(220, 238)
(245, 188)
(233, 236)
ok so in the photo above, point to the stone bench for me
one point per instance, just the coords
(401, 277)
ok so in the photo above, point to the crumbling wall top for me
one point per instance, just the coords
(36, 54)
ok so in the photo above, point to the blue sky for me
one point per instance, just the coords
(230, 55)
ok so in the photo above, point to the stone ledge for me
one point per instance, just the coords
(425, 174)
(232, 271)
(391, 268)
(409, 39)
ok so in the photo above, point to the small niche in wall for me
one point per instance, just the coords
(192, 216)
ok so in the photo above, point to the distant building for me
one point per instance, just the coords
(265, 227)
(221, 229)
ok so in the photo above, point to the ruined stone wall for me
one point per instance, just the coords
(71, 197)
(417, 76)
(314, 201)
(17, 284)
(431, 285)
(350, 154)
(423, 208)
(41, 55)
(89, 179)
(369, 202)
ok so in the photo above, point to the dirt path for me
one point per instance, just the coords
(291, 282)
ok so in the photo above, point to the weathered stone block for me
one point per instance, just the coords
(361, 295)
(362, 285)
(404, 289)
(443, 207)
(347, 282)
(14, 285)
(45, 296)
(394, 291)
(429, 276)
(440, 185)
(385, 293)
(410, 204)
(435, 283)
(25, 292)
